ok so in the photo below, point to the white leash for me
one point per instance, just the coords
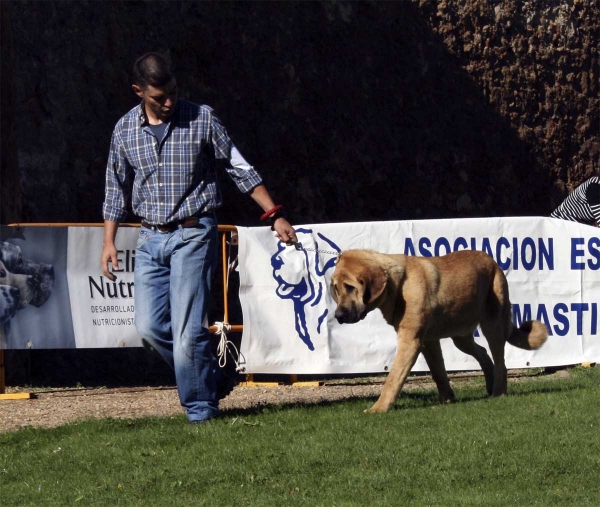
(225, 346)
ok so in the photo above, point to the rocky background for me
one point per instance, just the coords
(351, 111)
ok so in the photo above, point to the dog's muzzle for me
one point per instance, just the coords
(348, 315)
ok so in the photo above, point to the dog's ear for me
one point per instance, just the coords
(375, 280)
(333, 292)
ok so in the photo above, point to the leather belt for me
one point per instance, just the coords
(173, 226)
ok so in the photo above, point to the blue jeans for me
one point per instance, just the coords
(172, 294)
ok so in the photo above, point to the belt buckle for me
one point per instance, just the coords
(176, 224)
(163, 228)
(190, 222)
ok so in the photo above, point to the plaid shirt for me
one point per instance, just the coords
(175, 177)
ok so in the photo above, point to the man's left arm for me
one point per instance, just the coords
(247, 179)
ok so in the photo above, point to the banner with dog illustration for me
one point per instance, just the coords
(53, 294)
(552, 267)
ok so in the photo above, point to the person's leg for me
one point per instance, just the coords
(193, 259)
(152, 303)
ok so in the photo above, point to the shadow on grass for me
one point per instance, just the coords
(415, 399)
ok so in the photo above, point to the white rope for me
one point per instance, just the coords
(225, 346)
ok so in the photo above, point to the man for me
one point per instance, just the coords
(164, 154)
(583, 204)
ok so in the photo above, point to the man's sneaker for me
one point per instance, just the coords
(202, 421)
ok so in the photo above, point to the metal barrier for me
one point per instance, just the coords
(224, 230)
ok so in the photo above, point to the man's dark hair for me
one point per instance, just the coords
(152, 69)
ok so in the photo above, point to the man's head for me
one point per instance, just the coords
(154, 82)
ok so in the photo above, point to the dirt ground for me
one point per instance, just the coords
(55, 407)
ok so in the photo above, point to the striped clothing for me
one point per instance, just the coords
(174, 177)
(583, 204)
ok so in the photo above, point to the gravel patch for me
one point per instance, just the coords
(55, 407)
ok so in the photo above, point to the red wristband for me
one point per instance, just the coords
(268, 214)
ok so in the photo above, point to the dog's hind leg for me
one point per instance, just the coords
(495, 326)
(495, 336)
(467, 345)
(432, 352)
(406, 356)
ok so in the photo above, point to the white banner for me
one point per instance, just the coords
(102, 310)
(552, 267)
(53, 294)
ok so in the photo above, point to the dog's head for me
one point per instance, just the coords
(356, 284)
(41, 275)
(23, 283)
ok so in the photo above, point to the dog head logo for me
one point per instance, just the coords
(300, 276)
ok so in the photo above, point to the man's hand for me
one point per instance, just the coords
(109, 251)
(109, 254)
(284, 231)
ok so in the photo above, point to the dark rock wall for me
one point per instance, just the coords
(536, 62)
(350, 110)
(10, 197)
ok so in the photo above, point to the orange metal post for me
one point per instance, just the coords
(225, 273)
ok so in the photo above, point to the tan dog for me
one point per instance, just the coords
(429, 298)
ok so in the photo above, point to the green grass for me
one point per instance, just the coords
(538, 446)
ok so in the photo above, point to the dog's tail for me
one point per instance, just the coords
(530, 336)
